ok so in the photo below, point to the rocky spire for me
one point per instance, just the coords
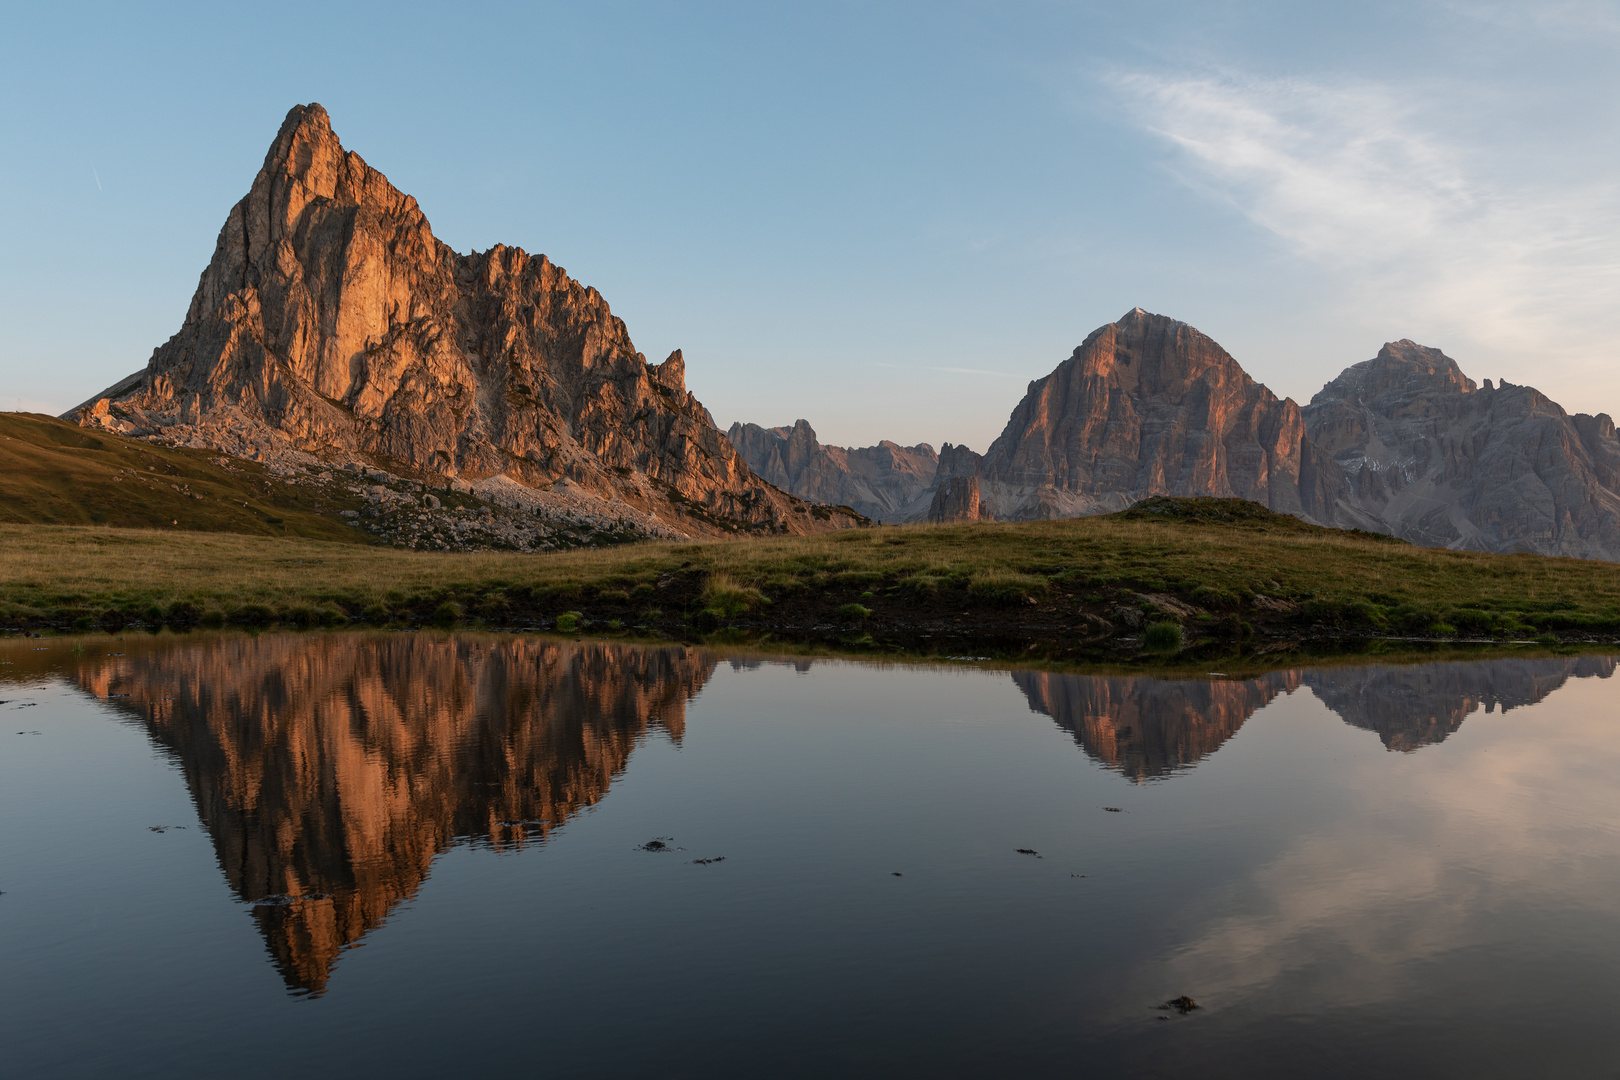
(332, 321)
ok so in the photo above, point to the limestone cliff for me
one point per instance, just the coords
(1145, 406)
(956, 499)
(1443, 462)
(331, 320)
(887, 482)
(1150, 406)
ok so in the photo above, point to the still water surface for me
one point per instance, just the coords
(429, 855)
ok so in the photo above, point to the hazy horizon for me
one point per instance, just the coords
(887, 220)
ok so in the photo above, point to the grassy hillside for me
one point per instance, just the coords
(53, 472)
(1221, 577)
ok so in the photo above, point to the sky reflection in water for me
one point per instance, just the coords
(1356, 869)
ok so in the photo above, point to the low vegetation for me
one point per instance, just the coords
(53, 472)
(1202, 576)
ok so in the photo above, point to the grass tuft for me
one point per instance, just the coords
(727, 599)
(1162, 637)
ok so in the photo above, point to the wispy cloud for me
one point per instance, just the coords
(1358, 178)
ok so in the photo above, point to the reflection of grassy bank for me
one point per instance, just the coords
(1069, 590)
(25, 660)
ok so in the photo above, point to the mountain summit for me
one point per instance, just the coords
(331, 321)
(1444, 462)
(1148, 406)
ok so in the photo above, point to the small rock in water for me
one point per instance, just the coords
(706, 862)
(1182, 1005)
(657, 844)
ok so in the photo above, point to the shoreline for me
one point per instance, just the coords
(1123, 590)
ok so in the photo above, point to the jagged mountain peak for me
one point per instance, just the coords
(331, 322)
(1440, 464)
(1402, 367)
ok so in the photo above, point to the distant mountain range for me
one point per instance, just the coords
(1403, 443)
(331, 326)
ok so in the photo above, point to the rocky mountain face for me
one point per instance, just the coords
(956, 498)
(331, 321)
(1149, 406)
(1443, 462)
(326, 772)
(887, 482)
(1404, 443)
(1145, 406)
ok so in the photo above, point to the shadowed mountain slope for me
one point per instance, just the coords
(1445, 463)
(56, 473)
(887, 482)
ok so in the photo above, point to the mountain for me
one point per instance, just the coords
(1148, 406)
(1144, 406)
(331, 321)
(1404, 443)
(884, 482)
(1445, 463)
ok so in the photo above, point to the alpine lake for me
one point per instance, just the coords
(443, 854)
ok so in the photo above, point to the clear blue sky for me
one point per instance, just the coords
(885, 218)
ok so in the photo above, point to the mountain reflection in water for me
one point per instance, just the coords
(330, 770)
(1148, 729)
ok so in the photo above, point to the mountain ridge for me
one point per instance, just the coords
(1405, 444)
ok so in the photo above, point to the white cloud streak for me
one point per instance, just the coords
(1420, 230)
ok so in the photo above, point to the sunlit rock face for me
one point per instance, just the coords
(1146, 728)
(1412, 706)
(957, 499)
(1150, 406)
(330, 770)
(331, 320)
(887, 482)
(1443, 462)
